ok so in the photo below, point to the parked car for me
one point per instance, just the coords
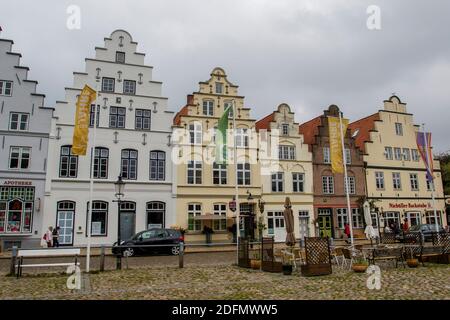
(151, 241)
(427, 231)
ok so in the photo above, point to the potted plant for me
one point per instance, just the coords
(360, 265)
(412, 262)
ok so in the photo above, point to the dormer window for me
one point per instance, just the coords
(219, 88)
(120, 57)
(284, 129)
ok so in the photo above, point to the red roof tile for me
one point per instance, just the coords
(264, 123)
(184, 111)
(364, 125)
(310, 129)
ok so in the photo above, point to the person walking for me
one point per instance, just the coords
(405, 225)
(48, 237)
(55, 237)
(347, 230)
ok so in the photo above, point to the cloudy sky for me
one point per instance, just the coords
(309, 53)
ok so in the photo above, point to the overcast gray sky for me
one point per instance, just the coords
(309, 54)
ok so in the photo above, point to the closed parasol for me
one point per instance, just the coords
(289, 222)
(369, 231)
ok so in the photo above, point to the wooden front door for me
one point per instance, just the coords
(324, 220)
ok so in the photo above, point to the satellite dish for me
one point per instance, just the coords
(355, 133)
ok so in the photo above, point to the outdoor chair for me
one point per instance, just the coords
(338, 256)
(348, 258)
(388, 254)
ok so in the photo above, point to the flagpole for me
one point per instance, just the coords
(236, 187)
(349, 213)
(425, 138)
(91, 181)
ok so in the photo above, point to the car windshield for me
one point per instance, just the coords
(415, 228)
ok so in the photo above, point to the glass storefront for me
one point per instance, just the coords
(16, 209)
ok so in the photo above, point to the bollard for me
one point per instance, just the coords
(181, 255)
(102, 258)
(12, 269)
(119, 261)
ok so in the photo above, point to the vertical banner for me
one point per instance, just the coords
(82, 114)
(334, 130)
(221, 138)
(423, 140)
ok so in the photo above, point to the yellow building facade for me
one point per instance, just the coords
(286, 172)
(395, 172)
(203, 188)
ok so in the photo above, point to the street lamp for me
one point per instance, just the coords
(119, 187)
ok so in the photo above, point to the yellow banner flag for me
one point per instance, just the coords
(82, 114)
(334, 129)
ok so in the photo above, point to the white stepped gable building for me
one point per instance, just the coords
(24, 131)
(133, 141)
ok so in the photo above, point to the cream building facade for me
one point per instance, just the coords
(291, 175)
(203, 188)
(395, 172)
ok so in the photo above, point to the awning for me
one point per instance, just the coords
(210, 216)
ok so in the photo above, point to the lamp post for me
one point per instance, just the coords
(119, 187)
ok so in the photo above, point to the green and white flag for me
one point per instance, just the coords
(221, 138)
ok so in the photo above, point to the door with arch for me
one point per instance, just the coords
(65, 220)
(156, 211)
(127, 220)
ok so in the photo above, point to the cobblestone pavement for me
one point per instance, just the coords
(224, 281)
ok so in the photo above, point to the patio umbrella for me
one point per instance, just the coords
(289, 222)
(369, 231)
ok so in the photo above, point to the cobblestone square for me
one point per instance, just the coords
(225, 281)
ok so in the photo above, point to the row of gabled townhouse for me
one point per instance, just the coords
(167, 161)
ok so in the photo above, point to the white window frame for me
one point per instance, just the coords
(3, 88)
(398, 155)
(20, 116)
(219, 88)
(221, 171)
(398, 129)
(352, 183)
(396, 181)
(415, 156)
(342, 217)
(242, 138)
(101, 158)
(348, 156)
(389, 155)
(129, 87)
(220, 209)
(99, 207)
(285, 129)
(195, 133)
(357, 218)
(327, 184)
(109, 84)
(208, 107)
(379, 180)
(244, 170)
(286, 152)
(298, 182)
(326, 155)
(119, 55)
(194, 170)
(194, 209)
(406, 154)
(277, 182)
(20, 151)
(414, 181)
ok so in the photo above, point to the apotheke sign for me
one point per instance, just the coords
(17, 183)
(410, 205)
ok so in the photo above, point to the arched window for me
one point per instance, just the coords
(101, 157)
(156, 211)
(157, 165)
(129, 163)
(68, 163)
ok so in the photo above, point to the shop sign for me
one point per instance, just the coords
(410, 205)
(17, 183)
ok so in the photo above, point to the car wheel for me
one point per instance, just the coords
(175, 250)
(128, 252)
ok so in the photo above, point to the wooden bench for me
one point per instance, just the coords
(45, 253)
(387, 254)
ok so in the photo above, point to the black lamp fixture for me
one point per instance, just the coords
(119, 186)
(249, 197)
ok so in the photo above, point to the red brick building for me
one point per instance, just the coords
(330, 203)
